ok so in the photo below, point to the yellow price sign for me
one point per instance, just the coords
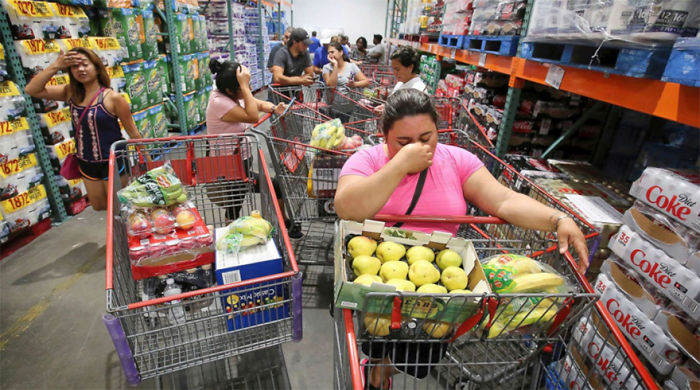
(54, 118)
(8, 88)
(64, 148)
(2, 52)
(34, 9)
(40, 46)
(105, 43)
(61, 79)
(72, 43)
(24, 199)
(115, 72)
(69, 11)
(9, 127)
(17, 165)
(74, 182)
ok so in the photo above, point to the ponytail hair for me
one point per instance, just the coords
(225, 73)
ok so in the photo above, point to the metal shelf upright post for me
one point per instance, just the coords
(260, 42)
(15, 66)
(513, 97)
(169, 19)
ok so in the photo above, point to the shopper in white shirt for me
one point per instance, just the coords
(405, 63)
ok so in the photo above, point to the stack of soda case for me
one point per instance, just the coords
(430, 69)
(651, 282)
(457, 17)
(497, 17)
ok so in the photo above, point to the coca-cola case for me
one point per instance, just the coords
(681, 332)
(637, 327)
(642, 298)
(674, 193)
(595, 343)
(678, 283)
(686, 376)
(679, 242)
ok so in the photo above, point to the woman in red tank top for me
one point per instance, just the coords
(89, 89)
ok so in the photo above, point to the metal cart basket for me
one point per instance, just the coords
(216, 172)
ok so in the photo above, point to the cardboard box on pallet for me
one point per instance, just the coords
(250, 263)
(349, 295)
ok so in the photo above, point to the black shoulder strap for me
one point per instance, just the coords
(416, 194)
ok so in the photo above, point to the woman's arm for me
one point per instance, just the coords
(249, 113)
(37, 87)
(360, 197)
(123, 112)
(486, 193)
(361, 81)
(270, 108)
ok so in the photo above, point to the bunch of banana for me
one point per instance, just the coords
(519, 274)
(158, 187)
(543, 313)
(328, 135)
(254, 229)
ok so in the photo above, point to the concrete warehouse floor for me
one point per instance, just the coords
(52, 298)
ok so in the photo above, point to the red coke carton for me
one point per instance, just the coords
(678, 283)
(674, 193)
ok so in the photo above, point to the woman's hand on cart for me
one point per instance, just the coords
(279, 109)
(569, 235)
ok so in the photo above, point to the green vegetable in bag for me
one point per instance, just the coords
(158, 187)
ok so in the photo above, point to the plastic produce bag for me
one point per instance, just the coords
(244, 232)
(328, 135)
(158, 187)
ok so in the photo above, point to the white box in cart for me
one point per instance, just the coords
(649, 338)
(679, 332)
(674, 193)
(679, 242)
(676, 282)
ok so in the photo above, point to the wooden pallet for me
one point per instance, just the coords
(683, 65)
(17, 240)
(505, 45)
(629, 61)
(451, 41)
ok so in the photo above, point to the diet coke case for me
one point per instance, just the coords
(609, 363)
(631, 286)
(648, 337)
(681, 332)
(674, 193)
(678, 283)
(679, 242)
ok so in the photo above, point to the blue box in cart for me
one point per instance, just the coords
(244, 302)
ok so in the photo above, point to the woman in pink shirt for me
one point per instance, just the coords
(232, 109)
(382, 180)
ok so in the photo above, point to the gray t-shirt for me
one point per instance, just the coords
(377, 53)
(274, 51)
(347, 75)
(293, 66)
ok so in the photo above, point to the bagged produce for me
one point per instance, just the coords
(510, 273)
(328, 135)
(244, 232)
(158, 187)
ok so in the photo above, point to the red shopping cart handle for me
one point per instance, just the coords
(438, 219)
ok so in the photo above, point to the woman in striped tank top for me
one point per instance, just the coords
(89, 89)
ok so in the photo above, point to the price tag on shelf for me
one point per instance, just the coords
(9, 127)
(482, 59)
(555, 75)
(453, 53)
(17, 165)
(64, 148)
(24, 199)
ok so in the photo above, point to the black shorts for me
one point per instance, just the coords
(99, 170)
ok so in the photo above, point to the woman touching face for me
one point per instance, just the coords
(83, 69)
(410, 130)
(335, 53)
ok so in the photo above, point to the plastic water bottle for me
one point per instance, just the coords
(176, 314)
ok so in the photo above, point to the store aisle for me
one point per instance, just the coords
(51, 304)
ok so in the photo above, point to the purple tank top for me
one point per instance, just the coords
(98, 131)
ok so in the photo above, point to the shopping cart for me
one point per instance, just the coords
(354, 111)
(215, 170)
(500, 334)
(370, 69)
(307, 177)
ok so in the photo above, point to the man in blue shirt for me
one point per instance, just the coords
(315, 43)
(321, 54)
